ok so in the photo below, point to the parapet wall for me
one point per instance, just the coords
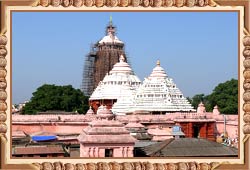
(73, 124)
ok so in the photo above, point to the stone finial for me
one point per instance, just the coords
(122, 59)
(158, 63)
(201, 108)
(90, 111)
(201, 104)
(216, 110)
(104, 113)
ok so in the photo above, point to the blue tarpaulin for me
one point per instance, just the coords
(176, 129)
(43, 138)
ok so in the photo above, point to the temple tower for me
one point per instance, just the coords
(119, 83)
(104, 54)
(157, 94)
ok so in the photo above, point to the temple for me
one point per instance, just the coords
(126, 117)
(100, 60)
(121, 90)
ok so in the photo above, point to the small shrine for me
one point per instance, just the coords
(106, 137)
(201, 108)
(216, 110)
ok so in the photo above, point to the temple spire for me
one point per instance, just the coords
(110, 27)
(110, 20)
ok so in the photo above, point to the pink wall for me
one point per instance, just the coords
(98, 150)
(75, 123)
(231, 128)
(63, 128)
(50, 123)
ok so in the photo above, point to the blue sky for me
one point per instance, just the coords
(197, 49)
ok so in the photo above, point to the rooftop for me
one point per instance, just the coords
(105, 131)
(189, 147)
(37, 150)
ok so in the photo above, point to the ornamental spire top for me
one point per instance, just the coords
(158, 63)
(110, 20)
(110, 27)
(122, 59)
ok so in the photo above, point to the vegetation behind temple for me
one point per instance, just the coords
(66, 98)
(224, 95)
(60, 98)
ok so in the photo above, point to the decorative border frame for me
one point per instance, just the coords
(126, 165)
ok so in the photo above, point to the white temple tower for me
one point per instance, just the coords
(119, 83)
(157, 94)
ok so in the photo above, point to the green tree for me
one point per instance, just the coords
(52, 97)
(195, 101)
(225, 95)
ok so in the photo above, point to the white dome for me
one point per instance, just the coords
(110, 39)
(158, 72)
(121, 67)
(119, 83)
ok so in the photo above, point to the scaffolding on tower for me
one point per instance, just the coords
(101, 59)
(87, 86)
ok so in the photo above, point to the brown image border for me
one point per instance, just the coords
(131, 4)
